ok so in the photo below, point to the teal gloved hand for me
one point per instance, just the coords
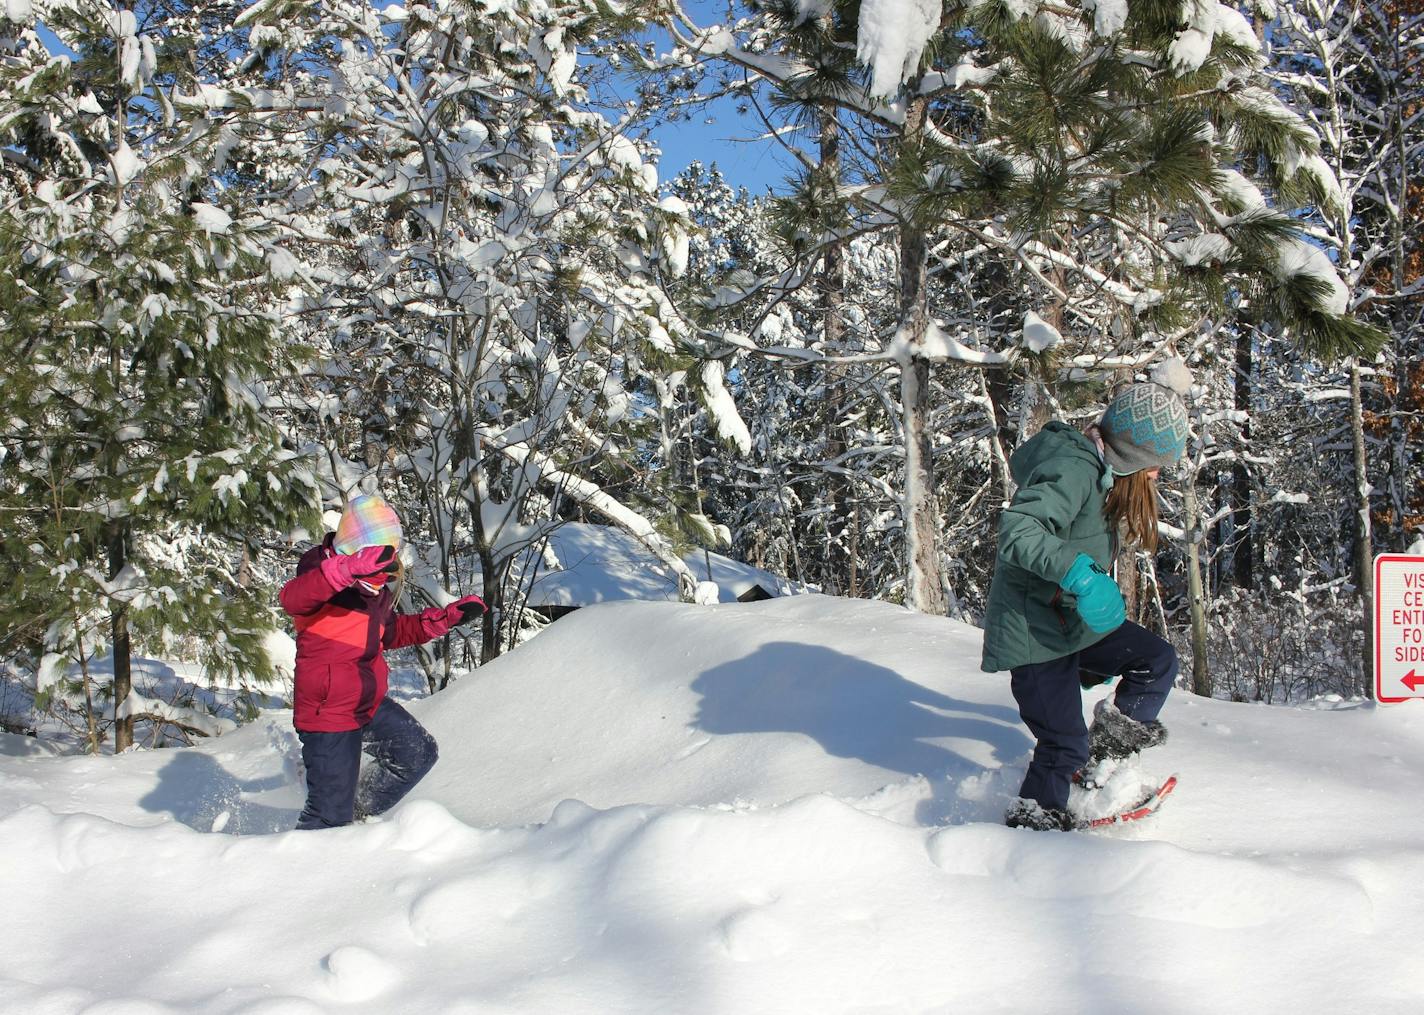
(1099, 599)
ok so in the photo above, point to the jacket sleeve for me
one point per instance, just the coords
(309, 591)
(1031, 529)
(415, 628)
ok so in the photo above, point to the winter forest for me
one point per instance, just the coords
(257, 258)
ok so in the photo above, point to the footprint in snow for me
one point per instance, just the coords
(692, 749)
(354, 973)
(753, 934)
(469, 908)
(281, 1006)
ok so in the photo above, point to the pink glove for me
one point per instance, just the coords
(344, 569)
(464, 609)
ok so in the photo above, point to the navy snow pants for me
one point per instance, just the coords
(336, 791)
(1050, 701)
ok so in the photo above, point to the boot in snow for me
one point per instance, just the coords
(1032, 814)
(1114, 735)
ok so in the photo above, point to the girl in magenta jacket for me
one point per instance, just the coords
(342, 602)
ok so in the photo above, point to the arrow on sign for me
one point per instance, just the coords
(1411, 680)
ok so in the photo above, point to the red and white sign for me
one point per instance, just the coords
(1399, 627)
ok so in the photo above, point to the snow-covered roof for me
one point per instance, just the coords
(601, 564)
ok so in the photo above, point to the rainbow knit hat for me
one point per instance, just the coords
(367, 521)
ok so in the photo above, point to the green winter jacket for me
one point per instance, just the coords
(1056, 515)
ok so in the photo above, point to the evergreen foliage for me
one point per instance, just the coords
(141, 466)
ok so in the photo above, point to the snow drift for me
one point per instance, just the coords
(786, 806)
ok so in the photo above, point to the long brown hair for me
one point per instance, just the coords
(1132, 505)
(397, 582)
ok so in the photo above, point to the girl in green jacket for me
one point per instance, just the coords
(1055, 617)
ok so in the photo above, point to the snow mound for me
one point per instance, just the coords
(783, 806)
(756, 704)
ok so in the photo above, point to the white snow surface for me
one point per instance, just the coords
(1192, 46)
(789, 806)
(125, 164)
(807, 10)
(210, 218)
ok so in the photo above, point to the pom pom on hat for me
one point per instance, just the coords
(1145, 425)
(367, 521)
(1173, 374)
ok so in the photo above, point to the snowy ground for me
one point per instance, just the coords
(788, 806)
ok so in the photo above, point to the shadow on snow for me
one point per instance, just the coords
(856, 709)
(197, 791)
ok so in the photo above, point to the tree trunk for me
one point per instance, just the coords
(1126, 569)
(1201, 674)
(91, 721)
(1364, 554)
(1034, 410)
(490, 623)
(924, 587)
(118, 530)
(1129, 583)
(837, 579)
(244, 567)
(995, 386)
(1243, 551)
(123, 669)
(119, 615)
(853, 589)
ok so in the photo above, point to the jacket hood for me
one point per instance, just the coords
(1055, 440)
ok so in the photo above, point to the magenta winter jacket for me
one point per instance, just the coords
(341, 675)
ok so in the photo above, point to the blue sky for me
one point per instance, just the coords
(721, 134)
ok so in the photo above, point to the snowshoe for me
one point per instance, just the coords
(1144, 808)
(1114, 735)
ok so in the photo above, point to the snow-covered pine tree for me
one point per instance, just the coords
(777, 497)
(1101, 153)
(715, 471)
(1346, 66)
(139, 464)
(491, 249)
(816, 209)
(1393, 33)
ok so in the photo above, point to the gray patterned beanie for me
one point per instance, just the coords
(1145, 425)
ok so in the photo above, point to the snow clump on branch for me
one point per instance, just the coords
(1038, 335)
(890, 38)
